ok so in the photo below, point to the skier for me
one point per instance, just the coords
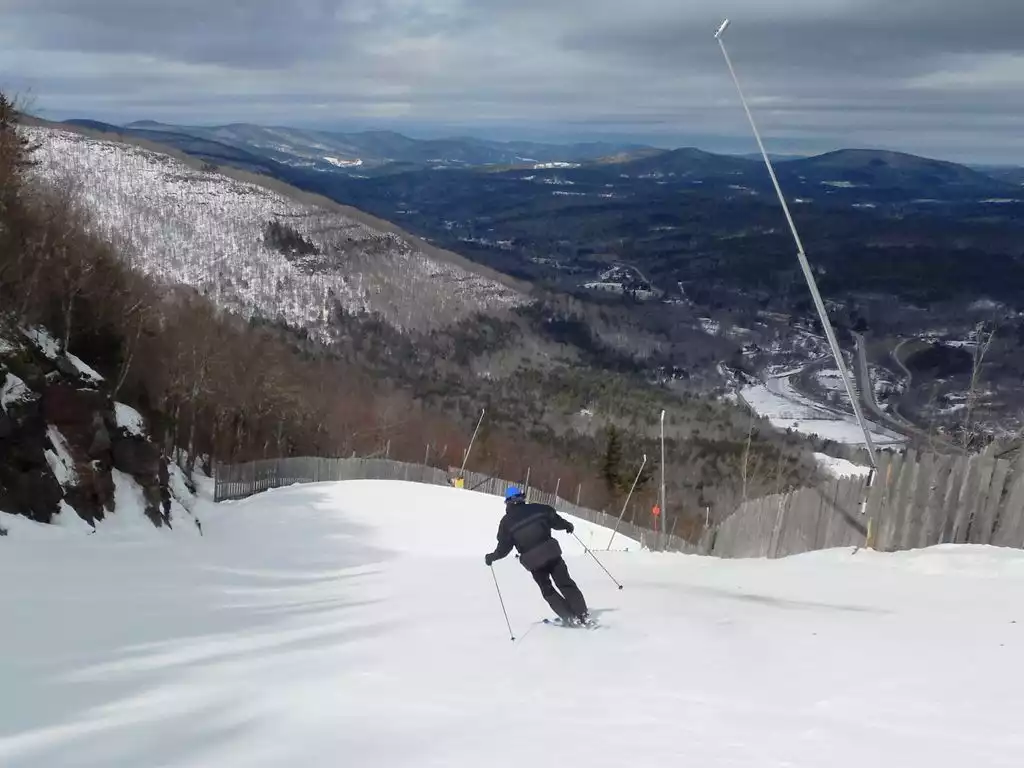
(527, 527)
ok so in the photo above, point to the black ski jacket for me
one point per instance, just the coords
(527, 527)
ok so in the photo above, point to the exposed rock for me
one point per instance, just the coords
(24, 449)
(27, 370)
(92, 497)
(24, 408)
(35, 493)
(101, 443)
(70, 407)
(69, 369)
(151, 493)
(165, 488)
(57, 396)
(137, 456)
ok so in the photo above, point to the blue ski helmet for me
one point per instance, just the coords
(512, 492)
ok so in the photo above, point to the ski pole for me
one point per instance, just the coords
(512, 636)
(596, 560)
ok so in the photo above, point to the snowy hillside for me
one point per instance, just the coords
(356, 624)
(206, 230)
(786, 408)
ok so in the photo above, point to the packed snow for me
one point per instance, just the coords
(841, 467)
(84, 369)
(356, 623)
(42, 338)
(129, 420)
(204, 229)
(67, 517)
(59, 457)
(344, 163)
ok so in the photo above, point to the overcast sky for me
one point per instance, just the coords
(938, 77)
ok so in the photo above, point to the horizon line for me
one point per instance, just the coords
(468, 131)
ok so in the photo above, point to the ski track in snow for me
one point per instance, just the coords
(205, 230)
(356, 624)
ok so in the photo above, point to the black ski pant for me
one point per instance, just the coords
(570, 602)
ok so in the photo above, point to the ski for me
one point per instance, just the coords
(590, 624)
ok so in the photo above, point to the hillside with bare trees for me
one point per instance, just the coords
(199, 227)
(242, 323)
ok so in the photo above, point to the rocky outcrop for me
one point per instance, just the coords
(61, 437)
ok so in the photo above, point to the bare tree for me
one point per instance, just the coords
(983, 340)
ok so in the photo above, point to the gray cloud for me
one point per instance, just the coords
(936, 76)
(248, 33)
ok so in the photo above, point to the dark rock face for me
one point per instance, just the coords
(136, 456)
(73, 409)
(86, 441)
(34, 493)
(67, 368)
(101, 444)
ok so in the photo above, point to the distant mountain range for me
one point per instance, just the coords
(284, 152)
(853, 173)
(362, 152)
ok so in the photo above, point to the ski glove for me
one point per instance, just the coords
(570, 529)
(489, 558)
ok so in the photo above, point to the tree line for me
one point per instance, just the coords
(212, 384)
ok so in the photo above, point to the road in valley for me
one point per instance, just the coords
(895, 422)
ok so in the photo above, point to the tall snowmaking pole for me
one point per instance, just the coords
(802, 257)
(661, 495)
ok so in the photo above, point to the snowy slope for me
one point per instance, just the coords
(786, 408)
(356, 624)
(205, 229)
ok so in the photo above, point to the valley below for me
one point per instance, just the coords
(570, 298)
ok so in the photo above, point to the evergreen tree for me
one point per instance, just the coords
(15, 152)
(645, 477)
(611, 466)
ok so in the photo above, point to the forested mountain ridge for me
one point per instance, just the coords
(226, 368)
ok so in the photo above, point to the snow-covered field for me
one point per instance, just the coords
(831, 380)
(205, 229)
(841, 467)
(356, 624)
(786, 408)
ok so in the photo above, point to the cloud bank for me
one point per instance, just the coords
(938, 77)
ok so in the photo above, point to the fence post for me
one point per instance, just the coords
(780, 516)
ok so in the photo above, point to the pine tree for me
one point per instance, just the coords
(611, 466)
(15, 157)
(14, 152)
